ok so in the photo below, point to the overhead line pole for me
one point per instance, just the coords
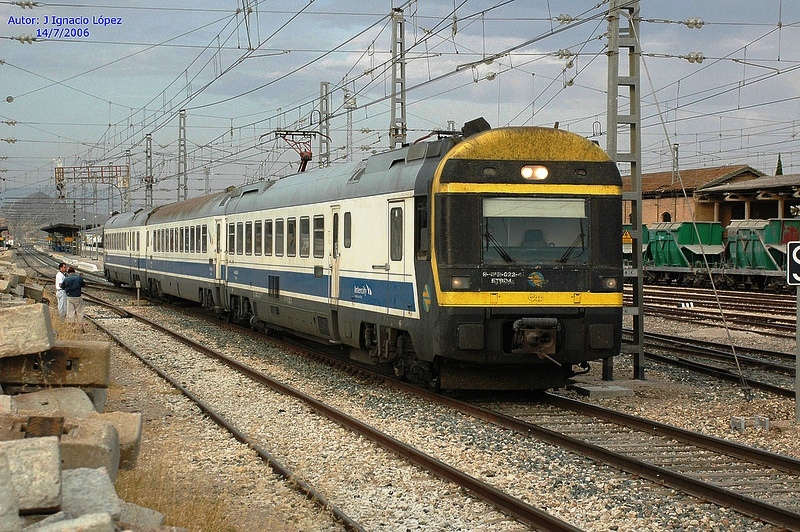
(148, 172)
(397, 129)
(183, 185)
(626, 39)
(324, 124)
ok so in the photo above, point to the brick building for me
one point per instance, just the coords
(721, 193)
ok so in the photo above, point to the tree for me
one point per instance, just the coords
(779, 169)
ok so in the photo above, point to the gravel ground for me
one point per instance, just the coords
(571, 487)
(696, 402)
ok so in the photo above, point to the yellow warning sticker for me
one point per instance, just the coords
(626, 237)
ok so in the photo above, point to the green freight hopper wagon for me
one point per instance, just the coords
(747, 254)
(756, 251)
(677, 252)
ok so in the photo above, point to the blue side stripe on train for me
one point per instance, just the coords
(382, 293)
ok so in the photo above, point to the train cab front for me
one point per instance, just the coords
(528, 270)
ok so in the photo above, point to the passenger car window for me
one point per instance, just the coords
(279, 238)
(239, 238)
(258, 238)
(267, 237)
(291, 237)
(319, 237)
(305, 236)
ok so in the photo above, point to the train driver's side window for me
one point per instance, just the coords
(396, 233)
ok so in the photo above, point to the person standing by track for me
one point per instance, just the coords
(73, 285)
(61, 295)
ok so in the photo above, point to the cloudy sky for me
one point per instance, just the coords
(100, 76)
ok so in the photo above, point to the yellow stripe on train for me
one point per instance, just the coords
(509, 188)
(529, 299)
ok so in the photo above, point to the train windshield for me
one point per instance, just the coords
(535, 230)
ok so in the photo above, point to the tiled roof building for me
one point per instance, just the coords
(721, 193)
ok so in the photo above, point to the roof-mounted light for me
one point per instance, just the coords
(534, 172)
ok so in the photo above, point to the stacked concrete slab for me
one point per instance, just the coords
(59, 452)
(15, 287)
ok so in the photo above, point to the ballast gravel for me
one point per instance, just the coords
(353, 475)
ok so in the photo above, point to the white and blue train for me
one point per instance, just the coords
(491, 259)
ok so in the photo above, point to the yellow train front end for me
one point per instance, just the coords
(526, 259)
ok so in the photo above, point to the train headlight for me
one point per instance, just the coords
(534, 172)
(610, 283)
(459, 282)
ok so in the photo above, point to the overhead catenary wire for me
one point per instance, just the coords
(114, 148)
(746, 390)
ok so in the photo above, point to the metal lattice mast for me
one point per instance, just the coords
(397, 129)
(626, 40)
(183, 185)
(324, 124)
(148, 171)
(349, 105)
(124, 183)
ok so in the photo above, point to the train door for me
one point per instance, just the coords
(220, 260)
(334, 288)
(334, 257)
(395, 266)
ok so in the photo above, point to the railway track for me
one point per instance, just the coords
(770, 314)
(770, 371)
(510, 505)
(662, 466)
(749, 480)
(756, 302)
(769, 511)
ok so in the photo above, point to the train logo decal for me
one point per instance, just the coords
(426, 297)
(537, 280)
(360, 291)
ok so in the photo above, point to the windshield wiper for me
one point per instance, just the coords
(490, 239)
(578, 240)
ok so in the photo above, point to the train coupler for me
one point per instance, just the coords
(536, 336)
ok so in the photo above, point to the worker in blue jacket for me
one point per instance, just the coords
(73, 285)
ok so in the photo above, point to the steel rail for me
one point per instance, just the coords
(486, 492)
(724, 497)
(722, 374)
(293, 480)
(686, 484)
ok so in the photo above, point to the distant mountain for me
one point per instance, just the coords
(26, 217)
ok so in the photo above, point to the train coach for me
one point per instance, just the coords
(486, 260)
